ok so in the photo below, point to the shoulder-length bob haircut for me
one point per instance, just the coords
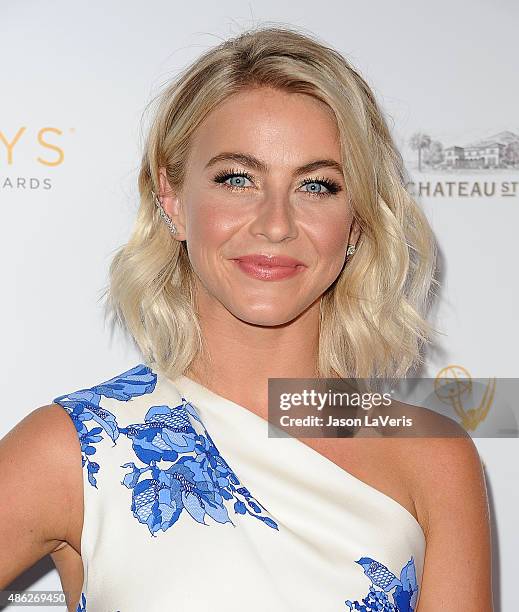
(372, 318)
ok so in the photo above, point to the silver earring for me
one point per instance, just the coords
(172, 227)
(351, 249)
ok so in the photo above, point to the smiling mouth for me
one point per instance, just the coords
(270, 260)
(267, 271)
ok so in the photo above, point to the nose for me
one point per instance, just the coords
(275, 219)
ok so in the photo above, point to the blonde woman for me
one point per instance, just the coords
(275, 239)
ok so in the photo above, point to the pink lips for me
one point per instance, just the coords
(265, 267)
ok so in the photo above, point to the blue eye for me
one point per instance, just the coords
(316, 191)
(239, 180)
(237, 177)
(332, 187)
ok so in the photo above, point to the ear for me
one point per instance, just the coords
(355, 231)
(172, 204)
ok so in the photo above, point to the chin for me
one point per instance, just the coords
(266, 317)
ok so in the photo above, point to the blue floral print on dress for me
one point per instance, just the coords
(85, 405)
(81, 607)
(404, 596)
(186, 470)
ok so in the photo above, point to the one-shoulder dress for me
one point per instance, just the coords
(189, 506)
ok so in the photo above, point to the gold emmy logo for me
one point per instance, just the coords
(453, 386)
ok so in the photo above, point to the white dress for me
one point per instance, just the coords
(189, 506)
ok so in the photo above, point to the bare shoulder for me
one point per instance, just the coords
(41, 482)
(46, 433)
(440, 460)
(445, 474)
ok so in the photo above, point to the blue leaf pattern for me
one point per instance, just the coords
(183, 469)
(404, 597)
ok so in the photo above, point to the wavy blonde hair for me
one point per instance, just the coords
(372, 318)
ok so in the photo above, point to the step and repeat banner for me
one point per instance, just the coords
(76, 79)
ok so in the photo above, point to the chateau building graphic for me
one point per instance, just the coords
(500, 150)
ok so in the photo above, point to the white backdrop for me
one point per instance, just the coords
(75, 80)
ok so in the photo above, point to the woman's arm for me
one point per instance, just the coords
(452, 501)
(37, 480)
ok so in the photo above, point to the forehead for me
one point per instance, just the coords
(271, 124)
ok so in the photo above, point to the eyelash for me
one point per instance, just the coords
(332, 186)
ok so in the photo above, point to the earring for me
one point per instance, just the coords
(172, 227)
(351, 249)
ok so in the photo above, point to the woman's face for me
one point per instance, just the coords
(258, 203)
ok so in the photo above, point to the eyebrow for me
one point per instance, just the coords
(258, 165)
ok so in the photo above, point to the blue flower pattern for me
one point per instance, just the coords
(404, 596)
(183, 469)
(85, 405)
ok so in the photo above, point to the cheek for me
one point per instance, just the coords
(208, 226)
(329, 238)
